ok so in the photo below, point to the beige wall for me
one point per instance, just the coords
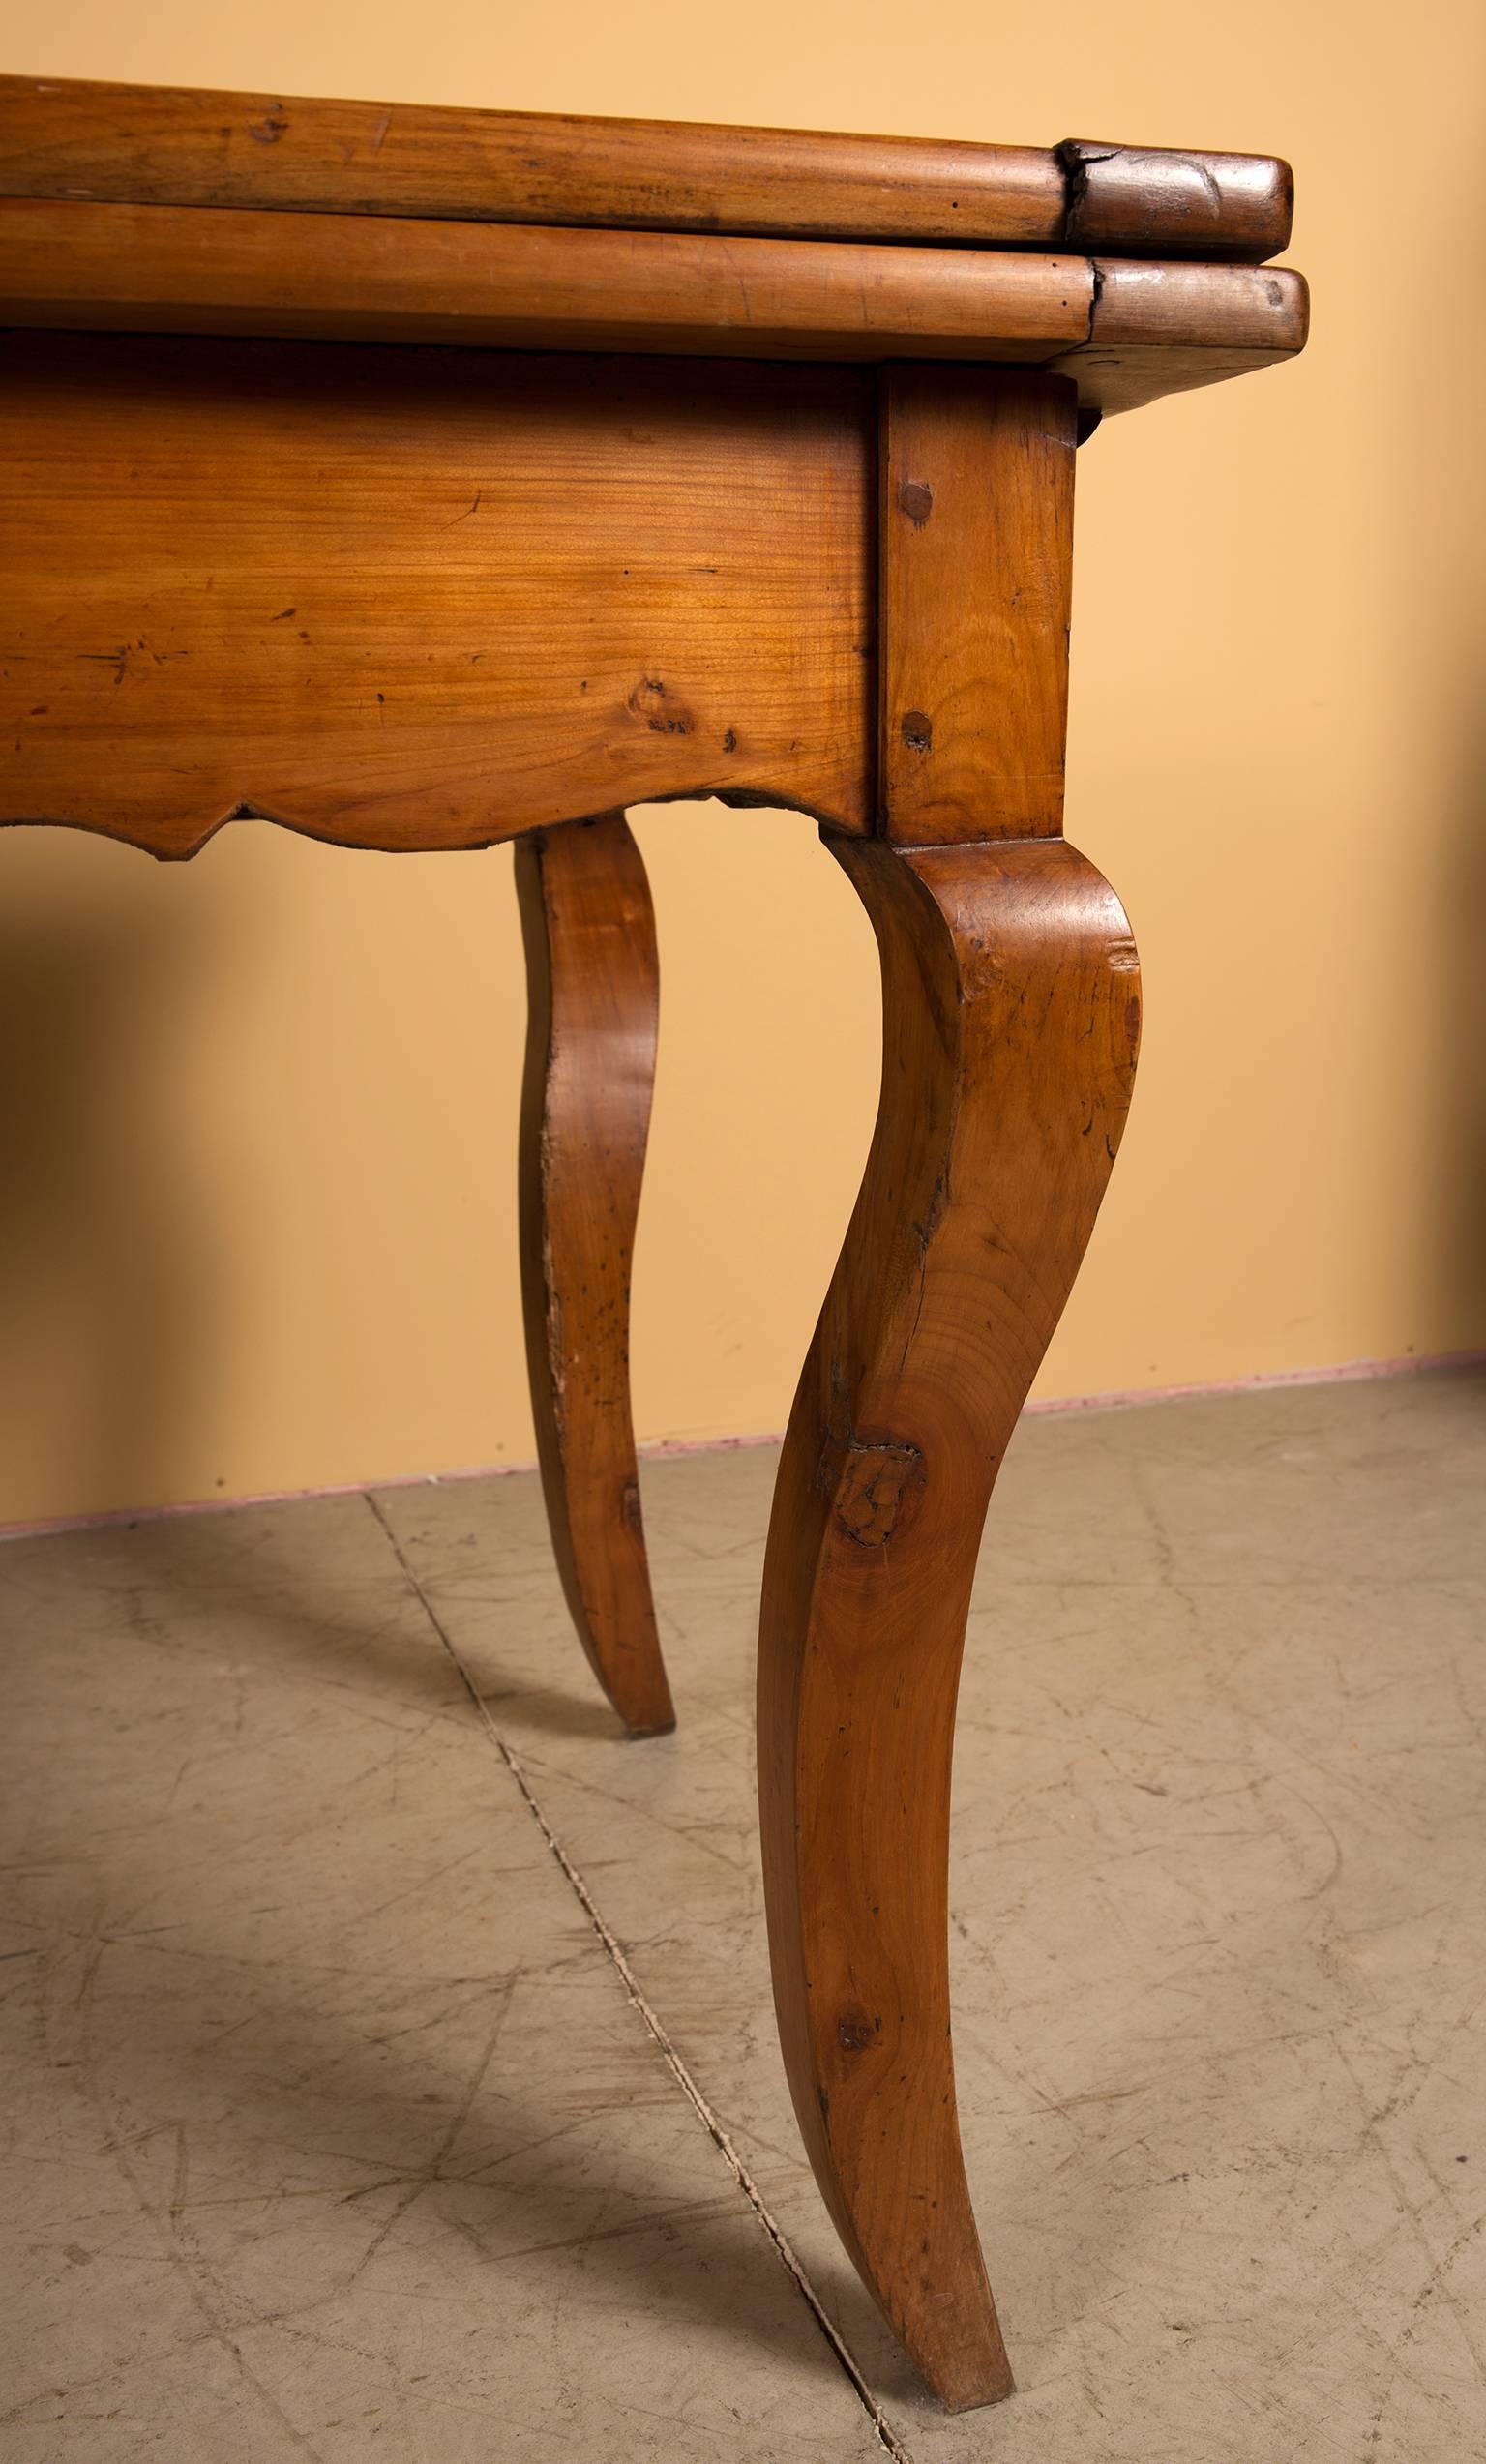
(257, 1228)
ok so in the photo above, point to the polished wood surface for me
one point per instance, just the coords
(1011, 1019)
(349, 278)
(1011, 1015)
(593, 997)
(422, 600)
(166, 145)
(976, 546)
(165, 269)
(434, 597)
(1168, 329)
(1153, 200)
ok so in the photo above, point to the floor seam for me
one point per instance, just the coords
(711, 2123)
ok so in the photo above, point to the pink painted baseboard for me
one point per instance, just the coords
(657, 1450)
(1409, 1364)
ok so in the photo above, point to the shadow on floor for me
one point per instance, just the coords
(353, 1611)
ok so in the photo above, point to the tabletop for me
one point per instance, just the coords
(1137, 271)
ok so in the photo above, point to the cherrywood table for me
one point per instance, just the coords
(424, 478)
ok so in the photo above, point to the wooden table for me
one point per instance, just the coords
(424, 478)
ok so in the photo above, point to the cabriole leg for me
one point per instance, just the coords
(592, 991)
(1012, 1012)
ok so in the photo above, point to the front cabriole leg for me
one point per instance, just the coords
(1011, 1019)
(1012, 1014)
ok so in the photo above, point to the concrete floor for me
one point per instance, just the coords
(334, 2131)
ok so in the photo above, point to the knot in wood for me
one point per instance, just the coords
(660, 708)
(871, 1486)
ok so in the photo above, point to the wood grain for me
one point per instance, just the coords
(177, 146)
(593, 984)
(344, 277)
(976, 545)
(419, 599)
(1011, 1010)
